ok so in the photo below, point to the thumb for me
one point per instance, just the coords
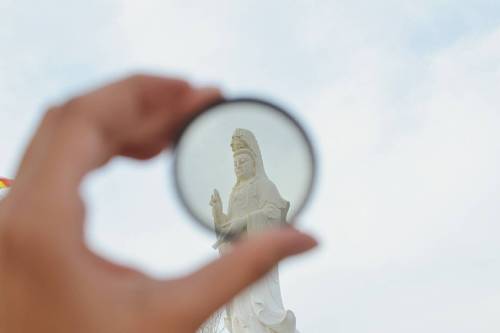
(217, 283)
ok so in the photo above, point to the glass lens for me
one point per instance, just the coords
(243, 163)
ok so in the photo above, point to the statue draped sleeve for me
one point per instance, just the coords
(271, 210)
(272, 207)
(265, 294)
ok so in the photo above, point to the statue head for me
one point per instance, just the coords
(244, 164)
(244, 143)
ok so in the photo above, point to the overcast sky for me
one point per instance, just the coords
(401, 98)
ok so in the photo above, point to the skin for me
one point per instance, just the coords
(50, 281)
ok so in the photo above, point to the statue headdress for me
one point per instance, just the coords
(243, 141)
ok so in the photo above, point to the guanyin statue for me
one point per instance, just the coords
(255, 205)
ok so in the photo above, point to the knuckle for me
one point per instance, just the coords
(68, 112)
(139, 82)
(56, 119)
(182, 87)
(72, 114)
(52, 115)
(136, 79)
(72, 107)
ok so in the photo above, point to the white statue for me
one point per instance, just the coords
(254, 205)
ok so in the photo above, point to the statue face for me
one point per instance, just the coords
(244, 166)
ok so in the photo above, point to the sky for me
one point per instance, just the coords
(400, 98)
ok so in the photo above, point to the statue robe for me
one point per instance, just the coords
(259, 308)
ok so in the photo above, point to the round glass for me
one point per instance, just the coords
(242, 165)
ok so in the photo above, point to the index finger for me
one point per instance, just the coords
(136, 117)
(221, 280)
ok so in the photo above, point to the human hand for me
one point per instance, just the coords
(50, 281)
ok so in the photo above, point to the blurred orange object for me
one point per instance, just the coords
(4, 182)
